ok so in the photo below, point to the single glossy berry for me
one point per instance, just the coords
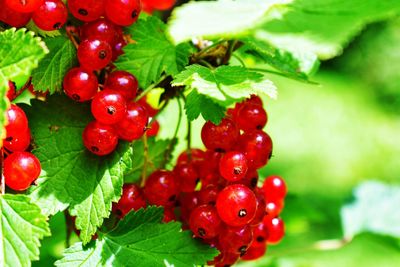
(208, 194)
(124, 83)
(133, 124)
(51, 15)
(100, 139)
(11, 91)
(94, 54)
(153, 128)
(254, 252)
(209, 166)
(276, 229)
(187, 177)
(236, 205)
(235, 239)
(220, 137)
(188, 202)
(19, 141)
(87, 10)
(16, 121)
(205, 222)
(195, 155)
(261, 206)
(101, 29)
(274, 207)
(260, 234)
(12, 17)
(20, 170)
(274, 188)
(117, 48)
(132, 199)
(251, 117)
(233, 166)
(108, 107)
(257, 147)
(122, 12)
(160, 4)
(254, 100)
(161, 189)
(169, 215)
(80, 85)
(23, 6)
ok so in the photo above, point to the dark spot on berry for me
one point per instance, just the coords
(260, 239)
(76, 97)
(201, 232)
(83, 12)
(172, 198)
(242, 250)
(9, 139)
(102, 54)
(259, 127)
(237, 171)
(242, 213)
(134, 14)
(212, 203)
(94, 149)
(253, 182)
(57, 25)
(111, 110)
(227, 265)
(220, 150)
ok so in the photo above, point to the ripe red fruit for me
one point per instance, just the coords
(20, 170)
(195, 154)
(160, 4)
(236, 205)
(12, 17)
(133, 124)
(188, 201)
(108, 107)
(101, 29)
(153, 128)
(186, 177)
(11, 89)
(208, 194)
(260, 235)
(276, 229)
(132, 199)
(260, 212)
(26, 6)
(51, 15)
(87, 10)
(251, 117)
(17, 120)
(254, 252)
(250, 180)
(204, 222)
(124, 83)
(274, 188)
(117, 48)
(80, 85)
(161, 189)
(257, 147)
(274, 208)
(220, 137)
(100, 139)
(19, 141)
(169, 215)
(122, 12)
(235, 239)
(233, 166)
(94, 54)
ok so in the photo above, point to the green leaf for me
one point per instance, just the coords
(224, 85)
(21, 227)
(197, 104)
(324, 27)
(152, 54)
(156, 150)
(51, 70)
(72, 176)
(20, 53)
(223, 18)
(141, 240)
(375, 209)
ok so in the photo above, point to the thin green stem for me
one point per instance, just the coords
(149, 88)
(240, 60)
(205, 63)
(283, 75)
(168, 150)
(189, 140)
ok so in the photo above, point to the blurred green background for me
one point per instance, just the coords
(328, 138)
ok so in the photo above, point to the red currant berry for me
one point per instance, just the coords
(153, 128)
(11, 91)
(101, 29)
(161, 189)
(251, 117)
(208, 195)
(254, 100)
(20, 141)
(80, 85)
(132, 199)
(122, 12)
(233, 166)
(261, 206)
(11, 17)
(188, 201)
(161, 4)
(124, 83)
(236, 205)
(204, 222)
(250, 180)
(117, 48)
(220, 137)
(20, 170)
(108, 107)
(169, 215)
(257, 147)
(50, 16)
(274, 188)
(276, 229)
(236, 239)
(94, 54)
(133, 124)
(187, 177)
(100, 139)
(87, 10)
(151, 111)
(26, 6)
(254, 252)
(17, 121)
(195, 155)
(260, 234)
(274, 208)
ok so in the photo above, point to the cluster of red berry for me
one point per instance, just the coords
(214, 192)
(149, 6)
(21, 168)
